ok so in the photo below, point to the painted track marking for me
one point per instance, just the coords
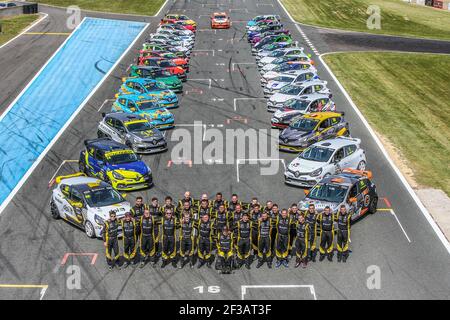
(280, 286)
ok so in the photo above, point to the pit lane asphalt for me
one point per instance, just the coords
(34, 244)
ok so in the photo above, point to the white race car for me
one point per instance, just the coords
(263, 68)
(86, 202)
(173, 39)
(170, 35)
(273, 55)
(281, 81)
(175, 29)
(269, 76)
(325, 158)
(276, 101)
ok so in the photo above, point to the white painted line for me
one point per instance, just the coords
(238, 161)
(280, 286)
(69, 121)
(213, 51)
(401, 227)
(209, 81)
(240, 63)
(244, 9)
(264, 4)
(239, 99)
(59, 168)
(45, 15)
(103, 104)
(160, 9)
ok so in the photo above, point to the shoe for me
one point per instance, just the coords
(118, 266)
(298, 264)
(313, 259)
(330, 258)
(125, 265)
(285, 263)
(164, 264)
(278, 264)
(322, 257)
(269, 265)
(200, 264)
(259, 265)
(248, 266)
(344, 259)
(142, 264)
(339, 258)
(174, 264)
(110, 268)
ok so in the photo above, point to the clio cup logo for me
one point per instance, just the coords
(208, 145)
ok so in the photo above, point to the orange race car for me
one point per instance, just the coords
(220, 20)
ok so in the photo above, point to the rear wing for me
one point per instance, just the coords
(89, 141)
(78, 174)
(360, 173)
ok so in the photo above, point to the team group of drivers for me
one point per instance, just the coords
(192, 230)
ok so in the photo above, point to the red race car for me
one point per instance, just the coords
(179, 62)
(164, 64)
(185, 24)
(220, 20)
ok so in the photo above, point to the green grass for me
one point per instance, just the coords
(412, 113)
(141, 7)
(397, 17)
(12, 26)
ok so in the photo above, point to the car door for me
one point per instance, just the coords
(115, 134)
(339, 160)
(62, 201)
(326, 130)
(75, 200)
(121, 131)
(351, 159)
(307, 90)
(132, 107)
(97, 163)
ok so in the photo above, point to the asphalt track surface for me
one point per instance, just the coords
(33, 244)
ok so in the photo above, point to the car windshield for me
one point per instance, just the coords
(166, 64)
(151, 86)
(147, 105)
(318, 154)
(283, 67)
(296, 104)
(121, 157)
(283, 79)
(102, 197)
(328, 192)
(138, 126)
(221, 17)
(303, 124)
(276, 53)
(292, 90)
(161, 73)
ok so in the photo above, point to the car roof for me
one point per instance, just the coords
(313, 96)
(140, 80)
(81, 182)
(105, 144)
(336, 143)
(124, 117)
(219, 14)
(137, 97)
(344, 178)
(322, 115)
(309, 83)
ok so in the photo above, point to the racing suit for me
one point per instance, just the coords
(216, 204)
(311, 220)
(224, 252)
(205, 241)
(232, 206)
(255, 215)
(110, 233)
(129, 239)
(343, 235)
(282, 228)
(181, 203)
(148, 238)
(235, 217)
(264, 229)
(244, 242)
(186, 242)
(203, 211)
(294, 217)
(168, 240)
(222, 220)
(155, 211)
(326, 231)
(137, 212)
(301, 241)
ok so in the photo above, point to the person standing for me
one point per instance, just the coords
(110, 235)
(147, 249)
(187, 241)
(344, 220)
(301, 241)
(205, 240)
(129, 235)
(225, 251)
(311, 220)
(282, 235)
(243, 231)
(325, 222)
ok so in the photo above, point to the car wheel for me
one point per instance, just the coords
(54, 210)
(373, 205)
(89, 229)
(361, 165)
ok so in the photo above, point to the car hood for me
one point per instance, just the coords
(280, 97)
(320, 205)
(172, 80)
(276, 85)
(267, 60)
(160, 114)
(293, 134)
(131, 169)
(269, 67)
(280, 113)
(302, 165)
(270, 75)
(148, 135)
(119, 209)
(168, 95)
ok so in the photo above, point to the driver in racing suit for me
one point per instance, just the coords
(325, 222)
(110, 233)
(343, 233)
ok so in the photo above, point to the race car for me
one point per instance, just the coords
(292, 67)
(184, 24)
(177, 60)
(352, 188)
(268, 48)
(175, 27)
(323, 159)
(269, 40)
(220, 20)
(165, 64)
(261, 25)
(278, 30)
(305, 130)
(171, 82)
(133, 130)
(158, 45)
(264, 68)
(147, 106)
(186, 43)
(172, 45)
(115, 164)
(278, 53)
(255, 20)
(86, 202)
(288, 92)
(294, 107)
(180, 18)
(166, 98)
(285, 79)
(183, 34)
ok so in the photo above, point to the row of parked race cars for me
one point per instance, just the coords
(329, 162)
(112, 162)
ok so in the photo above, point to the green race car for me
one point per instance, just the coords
(171, 81)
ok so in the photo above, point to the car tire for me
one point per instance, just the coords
(362, 164)
(54, 210)
(373, 205)
(89, 229)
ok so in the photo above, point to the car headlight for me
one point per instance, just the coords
(315, 173)
(137, 139)
(99, 220)
(117, 175)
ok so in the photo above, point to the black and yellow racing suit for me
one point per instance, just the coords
(205, 240)
(221, 220)
(202, 211)
(129, 239)
(168, 239)
(283, 229)
(325, 224)
(187, 241)
(225, 252)
(244, 241)
(148, 237)
(155, 211)
(301, 241)
(311, 220)
(110, 233)
(137, 212)
(264, 228)
(254, 217)
(343, 235)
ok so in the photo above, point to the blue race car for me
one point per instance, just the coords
(147, 106)
(166, 98)
(257, 19)
(116, 164)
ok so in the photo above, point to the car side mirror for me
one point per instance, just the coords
(353, 200)
(306, 191)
